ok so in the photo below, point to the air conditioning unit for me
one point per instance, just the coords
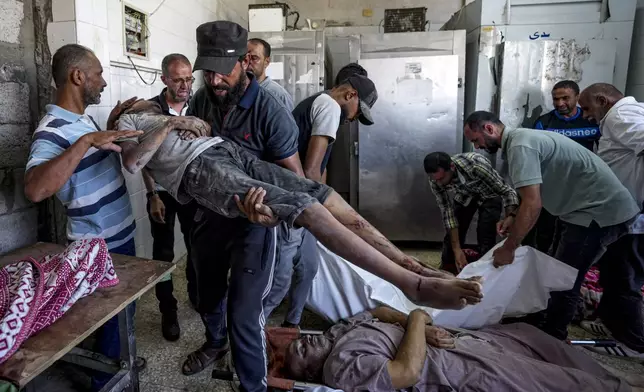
(404, 20)
(267, 17)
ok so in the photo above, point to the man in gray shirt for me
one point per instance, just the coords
(571, 182)
(259, 56)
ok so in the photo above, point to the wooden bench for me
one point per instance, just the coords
(40, 351)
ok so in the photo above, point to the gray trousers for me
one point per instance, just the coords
(296, 266)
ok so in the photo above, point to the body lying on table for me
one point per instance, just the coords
(216, 173)
(385, 350)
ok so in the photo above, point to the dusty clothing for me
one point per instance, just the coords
(173, 156)
(225, 170)
(504, 358)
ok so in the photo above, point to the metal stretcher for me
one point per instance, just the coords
(278, 338)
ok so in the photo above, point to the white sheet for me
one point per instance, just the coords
(341, 289)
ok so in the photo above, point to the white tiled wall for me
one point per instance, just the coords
(635, 84)
(343, 11)
(98, 25)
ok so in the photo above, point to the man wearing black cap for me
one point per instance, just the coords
(318, 118)
(235, 106)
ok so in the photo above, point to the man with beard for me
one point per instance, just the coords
(237, 109)
(259, 57)
(73, 159)
(595, 210)
(176, 74)
(569, 120)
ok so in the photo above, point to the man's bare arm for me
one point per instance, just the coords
(527, 215)
(46, 179)
(405, 369)
(136, 156)
(147, 180)
(314, 157)
(292, 163)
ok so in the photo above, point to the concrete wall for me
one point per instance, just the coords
(338, 12)
(98, 25)
(18, 111)
(635, 83)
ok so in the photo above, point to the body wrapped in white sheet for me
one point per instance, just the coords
(341, 290)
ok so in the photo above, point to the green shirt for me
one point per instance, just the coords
(576, 185)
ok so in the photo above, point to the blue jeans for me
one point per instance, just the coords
(297, 257)
(107, 336)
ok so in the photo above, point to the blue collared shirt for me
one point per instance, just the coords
(95, 196)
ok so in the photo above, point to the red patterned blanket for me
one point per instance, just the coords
(34, 294)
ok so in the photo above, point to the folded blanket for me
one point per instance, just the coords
(34, 294)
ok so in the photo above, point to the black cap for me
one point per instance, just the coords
(220, 44)
(366, 93)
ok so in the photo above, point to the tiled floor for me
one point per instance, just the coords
(164, 358)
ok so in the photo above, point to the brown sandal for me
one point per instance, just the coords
(200, 359)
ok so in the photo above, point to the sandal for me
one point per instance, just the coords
(200, 359)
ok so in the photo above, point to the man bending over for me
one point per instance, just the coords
(215, 173)
(385, 350)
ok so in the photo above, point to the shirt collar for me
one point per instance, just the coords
(618, 104)
(66, 115)
(576, 116)
(164, 102)
(251, 92)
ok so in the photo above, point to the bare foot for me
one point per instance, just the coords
(447, 293)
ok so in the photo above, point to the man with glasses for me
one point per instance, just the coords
(162, 207)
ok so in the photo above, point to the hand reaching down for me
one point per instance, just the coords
(118, 110)
(254, 208)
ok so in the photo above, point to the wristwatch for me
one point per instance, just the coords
(150, 194)
(513, 214)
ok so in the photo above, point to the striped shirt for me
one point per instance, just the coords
(475, 178)
(95, 196)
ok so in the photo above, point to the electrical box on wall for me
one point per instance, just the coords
(135, 32)
(267, 17)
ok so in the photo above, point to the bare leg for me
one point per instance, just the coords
(344, 213)
(433, 292)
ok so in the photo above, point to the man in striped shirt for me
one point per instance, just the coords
(73, 159)
(477, 187)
